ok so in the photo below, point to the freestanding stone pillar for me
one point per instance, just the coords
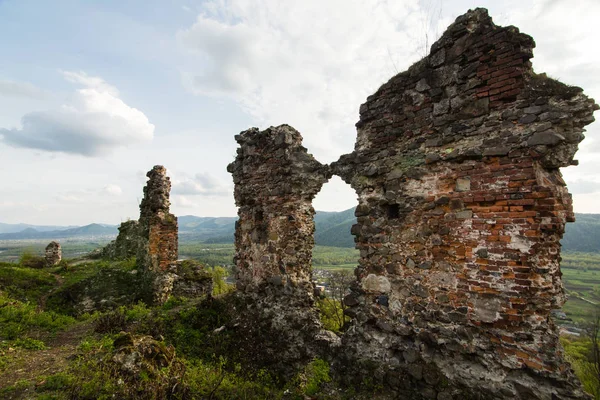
(275, 181)
(157, 255)
(461, 209)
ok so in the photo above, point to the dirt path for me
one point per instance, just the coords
(59, 283)
(30, 365)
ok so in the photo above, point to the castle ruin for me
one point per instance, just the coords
(461, 207)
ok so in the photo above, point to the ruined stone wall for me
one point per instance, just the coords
(275, 181)
(461, 209)
(157, 223)
(127, 244)
(153, 239)
(53, 254)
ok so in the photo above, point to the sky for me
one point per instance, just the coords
(95, 93)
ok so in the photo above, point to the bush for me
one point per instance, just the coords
(17, 319)
(29, 260)
(29, 344)
(111, 322)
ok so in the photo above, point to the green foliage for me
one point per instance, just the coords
(97, 280)
(334, 257)
(212, 380)
(317, 373)
(111, 322)
(94, 345)
(29, 344)
(137, 312)
(333, 228)
(25, 284)
(219, 274)
(331, 314)
(28, 260)
(58, 381)
(579, 352)
(17, 319)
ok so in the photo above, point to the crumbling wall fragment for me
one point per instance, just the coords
(275, 181)
(461, 209)
(53, 254)
(153, 239)
(127, 244)
(158, 228)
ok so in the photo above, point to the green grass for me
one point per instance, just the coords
(18, 320)
(25, 284)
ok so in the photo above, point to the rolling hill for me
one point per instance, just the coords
(332, 229)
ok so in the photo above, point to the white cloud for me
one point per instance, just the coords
(113, 190)
(70, 198)
(94, 122)
(21, 89)
(203, 184)
(183, 202)
(310, 64)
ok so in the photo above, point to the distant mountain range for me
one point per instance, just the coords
(332, 229)
(42, 232)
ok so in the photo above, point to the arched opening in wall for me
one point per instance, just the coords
(334, 257)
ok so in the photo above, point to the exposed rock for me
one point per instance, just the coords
(53, 254)
(136, 354)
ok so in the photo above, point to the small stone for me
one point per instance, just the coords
(483, 253)
(422, 85)
(431, 158)
(416, 371)
(442, 107)
(463, 185)
(545, 138)
(384, 326)
(376, 284)
(527, 119)
(383, 300)
(533, 110)
(496, 151)
(438, 58)
(425, 265)
(457, 204)
(464, 214)
(351, 300)
(442, 201)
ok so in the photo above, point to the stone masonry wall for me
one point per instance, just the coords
(153, 239)
(158, 226)
(461, 209)
(157, 222)
(53, 254)
(275, 181)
